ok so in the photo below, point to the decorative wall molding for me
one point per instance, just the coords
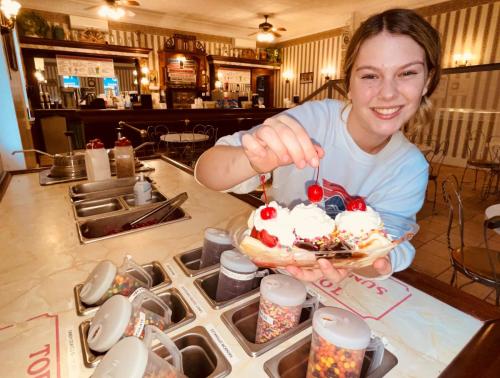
(310, 38)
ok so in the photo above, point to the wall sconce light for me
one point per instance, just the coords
(463, 60)
(287, 75)
(134, 72)
(328, 73)
(9, 10)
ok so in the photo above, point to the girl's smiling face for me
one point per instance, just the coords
(388, 81)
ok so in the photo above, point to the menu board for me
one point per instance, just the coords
(241, 77)
(84, 67)
(182, 72)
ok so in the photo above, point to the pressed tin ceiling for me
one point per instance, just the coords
(237, 18)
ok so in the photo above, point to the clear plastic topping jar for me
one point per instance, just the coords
(215, 242)
(339, 341)
(236, 276)
(281, 301)
(97, 161)
(119, 317)
(134, 358)
(124, 157)
(107, 280)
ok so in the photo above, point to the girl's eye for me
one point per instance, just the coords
(369, 76)
(408, 73)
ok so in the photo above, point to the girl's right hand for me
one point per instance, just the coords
(280, 141)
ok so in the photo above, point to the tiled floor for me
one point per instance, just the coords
(431, 241)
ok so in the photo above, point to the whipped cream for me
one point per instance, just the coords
(279, 226)
(311, 222)
(358, 223)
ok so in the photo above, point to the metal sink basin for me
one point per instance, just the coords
(292, 362)
(156, 197)
(102, 189)
(200, 356)
(103, 228)
(242, 322)
(89, 208)
(182, 314)
(160, 281)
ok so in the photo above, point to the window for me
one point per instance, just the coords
(111, 83)
(71, 82)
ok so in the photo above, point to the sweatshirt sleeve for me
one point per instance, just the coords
(404, 200)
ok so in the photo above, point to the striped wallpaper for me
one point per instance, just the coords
(307, 57)
(474, 30)
(467, 115)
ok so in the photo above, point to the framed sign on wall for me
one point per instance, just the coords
(306, 77)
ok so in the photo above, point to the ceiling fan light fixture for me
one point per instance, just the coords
(111, 12)
(265, 37)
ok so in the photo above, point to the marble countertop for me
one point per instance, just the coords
(42, 261)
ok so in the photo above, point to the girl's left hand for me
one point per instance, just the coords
(380, 267)
(326, 270)
(383, 266)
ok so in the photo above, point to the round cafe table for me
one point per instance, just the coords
(185, 143)
(184, 137)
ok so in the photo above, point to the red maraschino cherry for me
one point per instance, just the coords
(267, 212)
(356, 204)
(315, 191)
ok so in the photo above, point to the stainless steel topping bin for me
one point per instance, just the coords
(292, 362)
(207, 285)
(160, 281)
(242, 322)
(182, 314)
(190, 263)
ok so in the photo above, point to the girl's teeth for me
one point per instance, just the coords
(386, 111)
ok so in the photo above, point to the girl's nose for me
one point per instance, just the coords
(388, 89)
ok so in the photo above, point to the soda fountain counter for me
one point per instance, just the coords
(427, 328)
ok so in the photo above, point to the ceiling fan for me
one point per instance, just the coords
(115, 9)
(267, 32)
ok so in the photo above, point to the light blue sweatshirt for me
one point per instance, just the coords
(392, 181)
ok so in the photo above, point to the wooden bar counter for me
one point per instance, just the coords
(424, 323)
(102, 123)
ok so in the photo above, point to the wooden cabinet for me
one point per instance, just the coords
(183, 71)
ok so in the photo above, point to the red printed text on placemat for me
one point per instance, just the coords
(31, 348)
(370, 299)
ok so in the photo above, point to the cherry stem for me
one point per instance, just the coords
(317, 173)
(263, 183)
